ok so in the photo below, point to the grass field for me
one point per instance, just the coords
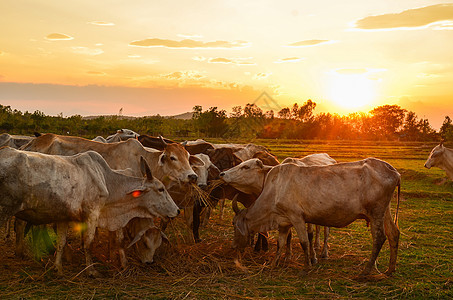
(184, 270)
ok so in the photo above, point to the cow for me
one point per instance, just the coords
(198, 146)
(441, 157)
(223, 158)
(14, 141)
(249, 150)
(100, 139)
(43, 189)
(155, 142)
(267, 158)
(122, 135)
(334, 196)
(172, 163)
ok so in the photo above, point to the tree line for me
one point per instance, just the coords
(386, 122)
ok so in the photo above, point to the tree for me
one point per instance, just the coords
(387, 119)
(285, 113)
(446, 130)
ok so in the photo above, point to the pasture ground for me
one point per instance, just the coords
(184, 270)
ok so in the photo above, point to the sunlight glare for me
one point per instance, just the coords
(351, 91)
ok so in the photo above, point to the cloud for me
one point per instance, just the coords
(309, 43)
(58, 37)
(101, 23)
(199, 58)
(410, 19)
(184, 75)
(2, 53)
(188, 44)
(261, 75)
(288, 59)
(87, 51)
(235, 61)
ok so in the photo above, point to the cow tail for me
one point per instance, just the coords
(398, 202)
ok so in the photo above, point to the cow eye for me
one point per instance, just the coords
(173, 158)
(245, 167)
(161, 190)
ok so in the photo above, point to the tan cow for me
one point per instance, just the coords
(122, 135)
(43, 189)
(334, 196)
(441, 157)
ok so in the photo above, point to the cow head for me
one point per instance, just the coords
(174, 162)
(435, 157)
(153, 196)
(247, 177)
(241, 233)
(207, 171)
(223, 158)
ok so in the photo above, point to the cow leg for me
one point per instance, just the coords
(8, 228)
(288, 244)
(62, 231)
(88, 239)
(188, 215)
(393, 234)
(377, 231)
(283, 232)
(264, 242)
(19, 228)
(301, 229)
(317, 237)
(205, 216)
(313, 258)
(325, 247)
(119, 238)
(196, 221)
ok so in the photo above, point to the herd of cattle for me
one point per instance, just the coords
(126, 181)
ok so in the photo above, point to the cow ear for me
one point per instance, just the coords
(213, 172)
(259, 163)
(237, 160)
(184, 143)
(164, 237)
(442, 143)
(144, 168)
(241, 225)
(235, 205)
(195, 161)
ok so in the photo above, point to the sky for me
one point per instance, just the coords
(165, 57)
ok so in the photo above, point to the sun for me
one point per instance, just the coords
(351, 91)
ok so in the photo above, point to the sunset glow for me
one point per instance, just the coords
(164, 57)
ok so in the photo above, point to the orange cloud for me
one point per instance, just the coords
(309, 43)
(189, 44)
(87, 51)
(58, 37)
(261, 75)
(411, 18)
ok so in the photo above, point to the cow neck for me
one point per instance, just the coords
(448, 162)
(259, 219)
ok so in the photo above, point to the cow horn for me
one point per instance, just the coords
(442, 142)
(235, 205)
(163, 141)
(138, 237)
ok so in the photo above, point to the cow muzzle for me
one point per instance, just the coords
(193, 178)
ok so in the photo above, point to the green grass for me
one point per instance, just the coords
(184, 270)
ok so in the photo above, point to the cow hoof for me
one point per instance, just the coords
(314, 261)
(197, 240)
(324, 255)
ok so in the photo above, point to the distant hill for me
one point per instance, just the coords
(183, 116)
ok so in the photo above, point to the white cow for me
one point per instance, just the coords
(122, 135)
(333, 195)
(43, 189)
(441, 157)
